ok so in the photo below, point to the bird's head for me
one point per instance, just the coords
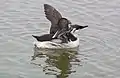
(64, 23)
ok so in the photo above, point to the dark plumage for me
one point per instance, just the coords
(66, 34)
(57, 23)
(45, 37)
(59, 26)
(53, 16)
(56, 19)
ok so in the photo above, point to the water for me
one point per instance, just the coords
(98, 55)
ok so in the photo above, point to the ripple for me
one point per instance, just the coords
(98, 54)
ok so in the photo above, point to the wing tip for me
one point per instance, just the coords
(47, 5)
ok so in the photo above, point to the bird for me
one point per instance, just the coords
(60, 34)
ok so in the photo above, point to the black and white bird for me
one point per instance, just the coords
(61, 33)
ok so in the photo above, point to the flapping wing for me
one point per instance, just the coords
(52, 14)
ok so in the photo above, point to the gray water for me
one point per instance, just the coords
(98, 55)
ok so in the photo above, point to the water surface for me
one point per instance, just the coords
(97, 57)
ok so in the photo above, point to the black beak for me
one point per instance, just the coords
(81, 27)
(77, 27)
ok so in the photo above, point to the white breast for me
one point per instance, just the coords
(56, 45)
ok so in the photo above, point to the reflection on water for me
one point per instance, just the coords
(56, 62)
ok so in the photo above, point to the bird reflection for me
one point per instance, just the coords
(57, 62)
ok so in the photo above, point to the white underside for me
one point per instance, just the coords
(56, 45)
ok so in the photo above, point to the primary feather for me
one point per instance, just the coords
(53, 16)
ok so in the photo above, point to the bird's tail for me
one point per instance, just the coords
(35, 36)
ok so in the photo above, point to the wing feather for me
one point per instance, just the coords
(53, 16)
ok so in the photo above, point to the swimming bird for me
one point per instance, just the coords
(60, 35)
(49, 37)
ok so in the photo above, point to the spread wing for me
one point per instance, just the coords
(52, 15)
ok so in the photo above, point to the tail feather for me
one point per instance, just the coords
(45, 37)
(34, 36)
